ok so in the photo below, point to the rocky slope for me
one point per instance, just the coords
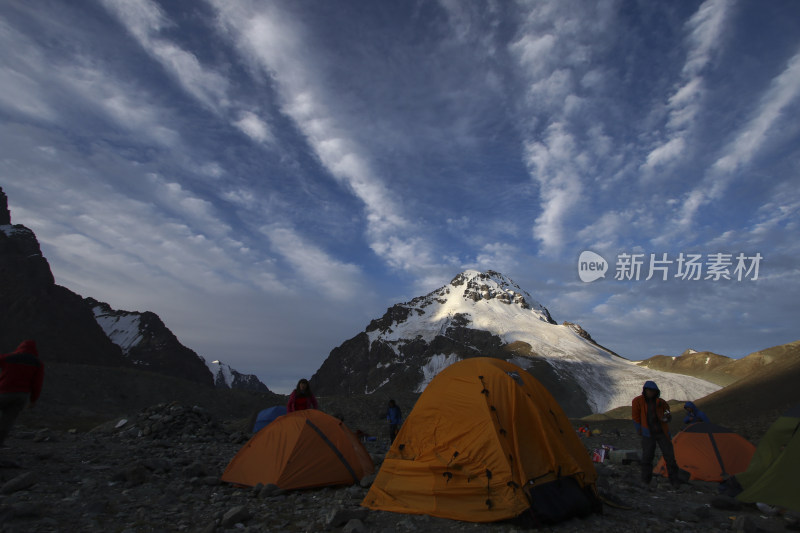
(76, 330)
(32, 306)
(717, 368)
(768, 390)
(148, 343)
(486, 313)
(227, 377)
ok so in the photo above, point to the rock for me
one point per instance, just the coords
(27, 510)
(97, 507)
(270, 490)
(744, 524)
(21, 482)
(196, 469)
(354, 525)
(338, 516)
(235, 515)
(132, 475)
(157, 464)
(407, 525)
(702, 512)
(366, 481)
(726, 503)
(210, 528)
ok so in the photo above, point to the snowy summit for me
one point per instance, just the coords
(486, 313)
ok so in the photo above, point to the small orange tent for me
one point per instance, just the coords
(302, 449)
(485, 442)
(709, 452)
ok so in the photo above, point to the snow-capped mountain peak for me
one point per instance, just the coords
(487, 313)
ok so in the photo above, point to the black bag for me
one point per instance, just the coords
(561, 500)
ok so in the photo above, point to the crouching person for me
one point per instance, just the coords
(651, 417)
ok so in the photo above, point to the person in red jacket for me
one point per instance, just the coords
(301, 398)
(651, 418)
(21, 377)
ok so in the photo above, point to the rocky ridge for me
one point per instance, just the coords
(75, 330)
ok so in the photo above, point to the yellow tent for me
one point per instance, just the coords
(486, 441)
(301, 450)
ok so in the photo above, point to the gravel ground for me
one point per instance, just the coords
(159, 471)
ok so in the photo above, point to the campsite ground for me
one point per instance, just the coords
(111, 479)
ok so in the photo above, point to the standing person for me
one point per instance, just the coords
(651, 417)
(394, 416)
(21, 377)
(693, 414)
(302, 398)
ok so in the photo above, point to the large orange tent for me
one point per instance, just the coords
(709, 452)
(485, 442)
(302, 449)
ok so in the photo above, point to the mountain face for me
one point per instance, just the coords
(32, 306)
(704, 365)
(226, 377)
(767, 388)
(719, 368)
(487, 314)
(149, 344)
(70, 329)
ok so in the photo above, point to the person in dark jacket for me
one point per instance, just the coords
(651, 417)
(301, 398)
(394, 416)
(21, 378)
(693, 414)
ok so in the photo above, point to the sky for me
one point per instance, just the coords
(270, 176)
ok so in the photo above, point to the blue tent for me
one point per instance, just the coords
(266, 416)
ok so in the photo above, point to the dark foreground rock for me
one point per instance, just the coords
(119, 479)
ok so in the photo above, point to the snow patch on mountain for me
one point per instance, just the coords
(229, 378)
(435, 364)
(122, 328)
(223, 374)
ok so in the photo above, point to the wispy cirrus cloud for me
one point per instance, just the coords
(748, 141)
(338, 280)
(705, 30)
(146, 21)
(280, 47)
(555, 48)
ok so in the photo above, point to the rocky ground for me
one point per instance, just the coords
(158, 470)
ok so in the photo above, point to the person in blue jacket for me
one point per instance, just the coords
(693, 414)
(394, 416)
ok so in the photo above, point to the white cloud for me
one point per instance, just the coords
(280, 47)
(783, 90)
(338, 280)
(705, 37)
(554, 50)
(145, 20)
(748, 141)
(500, 256)
(255, 128)
(552, 164)
(706, 26)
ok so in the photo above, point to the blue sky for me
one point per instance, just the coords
(269, 176)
